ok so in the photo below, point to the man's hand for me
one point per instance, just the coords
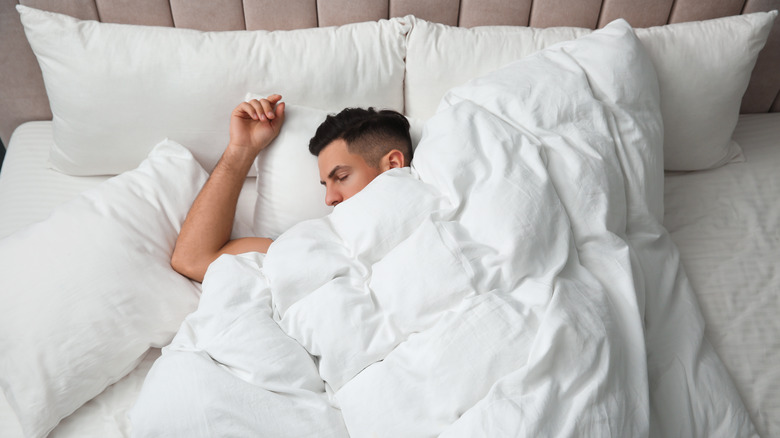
(256, 123)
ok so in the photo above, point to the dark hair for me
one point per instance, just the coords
(367, 132)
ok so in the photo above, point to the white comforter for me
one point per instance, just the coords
(516, 282)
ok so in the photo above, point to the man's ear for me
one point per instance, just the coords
(392, 160)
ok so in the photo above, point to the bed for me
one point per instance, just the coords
(83, 332)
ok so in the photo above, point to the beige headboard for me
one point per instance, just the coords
(23, 97)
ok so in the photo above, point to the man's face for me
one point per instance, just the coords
(343, 173)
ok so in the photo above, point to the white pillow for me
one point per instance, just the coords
(703, 69)
(440, 57)
(288, 179)
(86, 292)
(114, 89)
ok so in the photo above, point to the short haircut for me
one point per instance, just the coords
(367, 132)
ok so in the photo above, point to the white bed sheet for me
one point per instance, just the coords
(726, 222)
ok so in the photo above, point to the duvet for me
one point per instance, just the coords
(516, 281)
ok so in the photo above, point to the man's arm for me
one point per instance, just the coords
(205, 233)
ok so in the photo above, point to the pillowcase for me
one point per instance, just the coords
(86, 292)
(703, 70)
(440, 57)
(114, 88)
(288, 179)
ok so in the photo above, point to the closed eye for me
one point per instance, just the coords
(338, 173)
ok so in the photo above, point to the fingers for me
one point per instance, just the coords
(267, 108)
(259, 111)
(280, 111)
(245, 110)
(270, 105)
(263, 109)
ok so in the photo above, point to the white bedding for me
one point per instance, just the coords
(105, 416)
(30, 189)
(740, 306)
(726, 223)
(737, 293)
(736, 202)
(518, 279)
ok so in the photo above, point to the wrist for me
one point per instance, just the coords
(239, 158)
(242, 152)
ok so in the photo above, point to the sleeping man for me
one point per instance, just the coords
(353, 148)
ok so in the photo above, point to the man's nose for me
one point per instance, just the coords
(333, 197)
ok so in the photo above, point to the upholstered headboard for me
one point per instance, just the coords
(23, 97)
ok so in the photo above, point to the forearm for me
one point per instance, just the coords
(209, 223)
(205, 233)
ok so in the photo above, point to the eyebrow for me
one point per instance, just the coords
(333, 172)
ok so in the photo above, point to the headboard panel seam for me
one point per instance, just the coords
(170, 10)
(97, 10)
(671, 11)
(530, 12)
(243, 14)
(601, 12)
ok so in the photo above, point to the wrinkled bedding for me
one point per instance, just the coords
(516, 281)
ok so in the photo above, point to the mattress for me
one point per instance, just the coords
(726, 222)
